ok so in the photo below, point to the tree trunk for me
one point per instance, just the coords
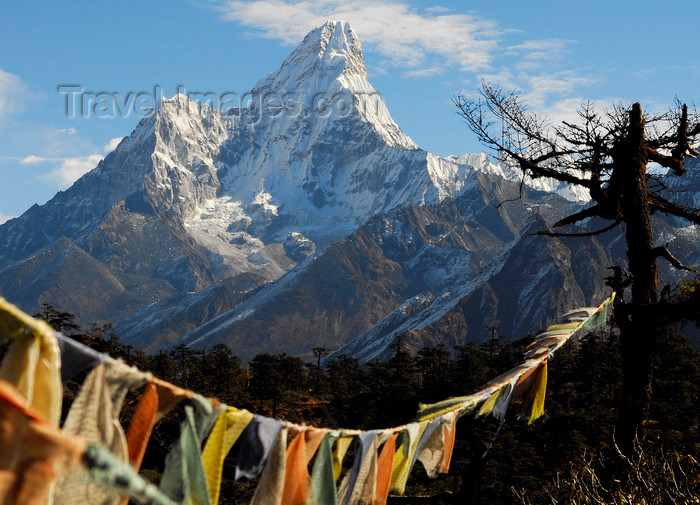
(637, 327)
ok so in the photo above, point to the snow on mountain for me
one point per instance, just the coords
(327, 74)
(322, 165)
(195, 194)
(402, 270)
(511, 172)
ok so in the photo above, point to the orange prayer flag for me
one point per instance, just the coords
(141, 425)
(450, 428)
(297, 475)
(314, 437)
(384, 466)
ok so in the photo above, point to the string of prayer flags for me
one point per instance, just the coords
(527, 380)
(39, 359)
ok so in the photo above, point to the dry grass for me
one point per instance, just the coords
(650, 476)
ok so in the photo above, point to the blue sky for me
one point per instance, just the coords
(418, 56)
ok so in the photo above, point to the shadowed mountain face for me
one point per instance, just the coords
(306, 218)
(436, 273)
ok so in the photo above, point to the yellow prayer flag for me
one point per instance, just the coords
(224, 434)
(341, 447)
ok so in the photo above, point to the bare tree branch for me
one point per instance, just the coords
(675, 164)
(595, 210)
(662, 205)
(550, 233)
(663, 252)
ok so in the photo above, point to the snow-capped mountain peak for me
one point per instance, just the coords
(326, 53)
(325, 78)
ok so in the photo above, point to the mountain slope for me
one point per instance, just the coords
(426, 252)
(64, 272)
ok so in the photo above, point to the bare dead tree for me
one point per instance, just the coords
(609, 154)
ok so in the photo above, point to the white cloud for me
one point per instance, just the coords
(393, 29)
(4, 217)
(424, 72)
(542, 87)
(32, 160)
(72, 169)
(69, 131)
(14, 93)
(65, 170)
(567, 109)
(541, 49)
(539, 91)
(112, 144)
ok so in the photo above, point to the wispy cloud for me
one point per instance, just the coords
(395, 30)
(539, 90)
(540, 49)
(32, 160)
(72, 169)
(14, 93)
(543, 87)
(566, 109)
(69, 170)
(427, 42)
(424, 72)
(112, 144)
(4, 217)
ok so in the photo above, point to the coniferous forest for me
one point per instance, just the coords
(567, 456)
